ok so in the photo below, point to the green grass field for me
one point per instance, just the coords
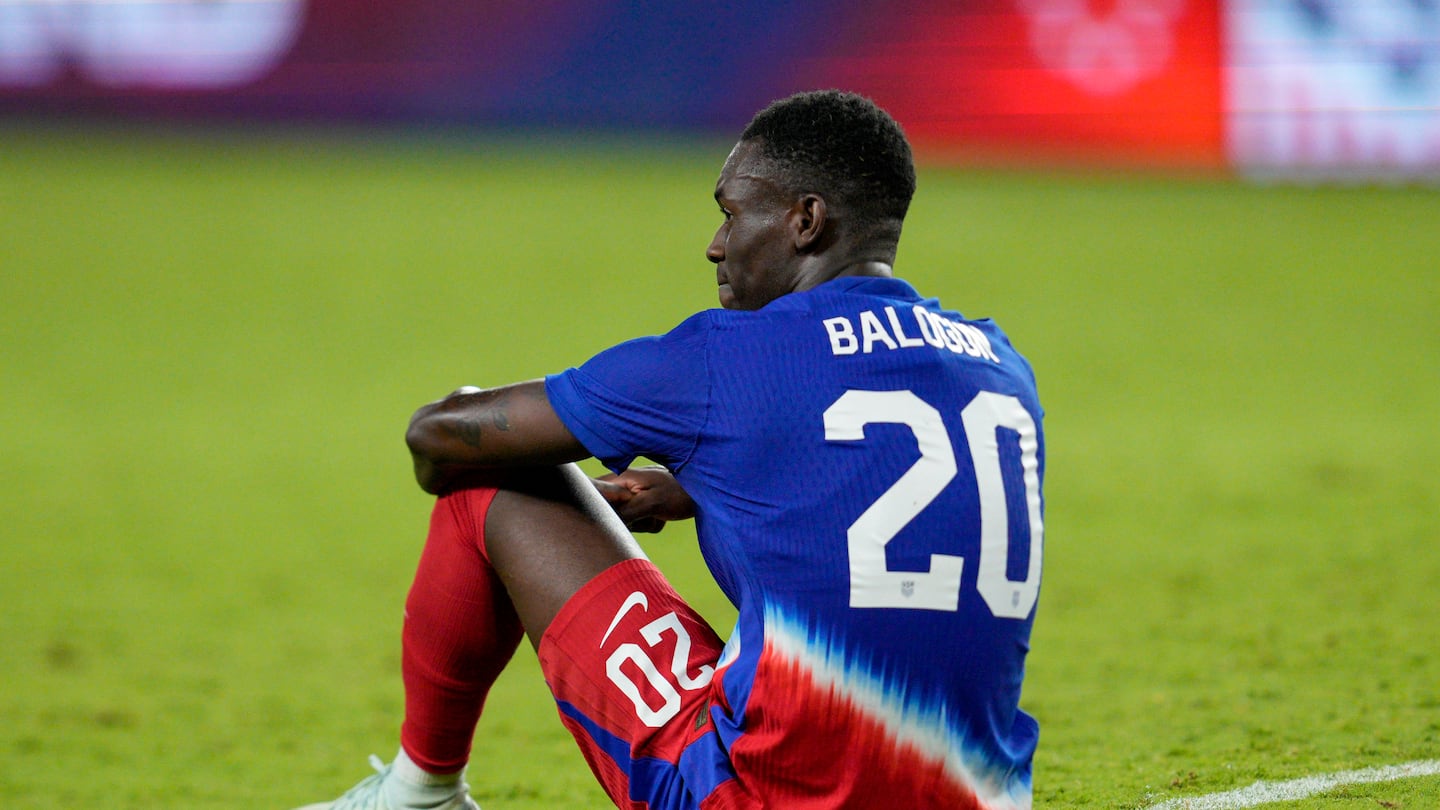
(211, 344)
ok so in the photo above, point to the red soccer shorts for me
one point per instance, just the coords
(630, 665)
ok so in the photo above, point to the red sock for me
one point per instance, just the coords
(460, 632)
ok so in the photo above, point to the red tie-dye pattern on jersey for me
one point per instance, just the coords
(817, 734)
(810, 745)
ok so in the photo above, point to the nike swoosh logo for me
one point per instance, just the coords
(635, 598)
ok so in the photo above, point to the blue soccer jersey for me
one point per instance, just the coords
(866, 469)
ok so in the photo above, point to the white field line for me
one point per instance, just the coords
(1266, 792)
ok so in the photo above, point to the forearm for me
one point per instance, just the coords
(473, 430)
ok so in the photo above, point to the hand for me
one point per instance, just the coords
(646, 498)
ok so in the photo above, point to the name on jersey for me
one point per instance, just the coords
(891, 330)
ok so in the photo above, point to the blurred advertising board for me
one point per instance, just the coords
(1268, 87)
(1334, 88)
(493, 63)
(1123, 81)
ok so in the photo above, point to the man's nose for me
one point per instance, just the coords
(716, 251)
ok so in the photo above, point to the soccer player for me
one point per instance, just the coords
(864, 468)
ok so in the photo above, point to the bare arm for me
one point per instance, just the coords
(474, 430)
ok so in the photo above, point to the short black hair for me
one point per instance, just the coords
(843, 147)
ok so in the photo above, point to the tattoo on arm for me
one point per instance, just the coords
(469, 430)
(471, 427)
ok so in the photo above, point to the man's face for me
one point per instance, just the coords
(752, 250)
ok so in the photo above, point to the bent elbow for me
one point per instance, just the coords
(428, 474)
(426, 433)
(429, 478)
(418, 438)
(421, 439)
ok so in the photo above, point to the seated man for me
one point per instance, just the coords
(864, 468)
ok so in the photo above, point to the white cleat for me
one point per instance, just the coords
(371, 794)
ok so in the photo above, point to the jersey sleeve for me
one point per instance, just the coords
(645, 397)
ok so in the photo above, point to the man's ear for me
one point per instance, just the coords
(807, 222)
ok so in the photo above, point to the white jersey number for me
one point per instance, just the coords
(653, 716)
(872, 583)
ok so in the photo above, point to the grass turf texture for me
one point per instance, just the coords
(211, 345)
